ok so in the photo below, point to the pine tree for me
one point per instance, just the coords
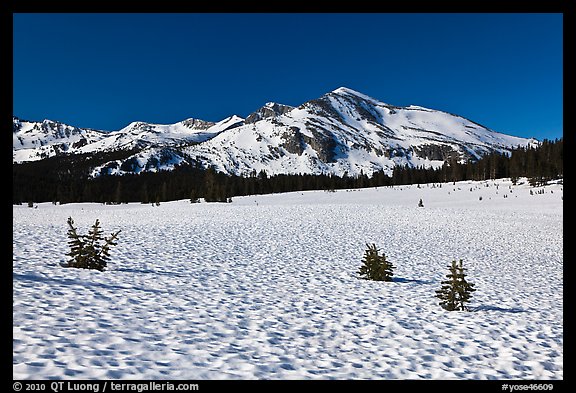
(193, 197)
(118, 194)
(375, 267)
(87, 251)
(455, 291)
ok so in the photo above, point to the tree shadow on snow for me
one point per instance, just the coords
(72, 281)
(496, 308)
(409, 280)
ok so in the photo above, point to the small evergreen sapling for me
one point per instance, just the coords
(455, 291)
(375, 267)
(87, 251)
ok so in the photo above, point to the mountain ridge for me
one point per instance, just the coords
(341, 132)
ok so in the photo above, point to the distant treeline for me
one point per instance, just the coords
(64, 179)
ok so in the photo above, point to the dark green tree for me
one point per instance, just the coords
(193, 197)
(375, 266)
(456, 291)
(91, 251)
(144, 197)
(118, 195)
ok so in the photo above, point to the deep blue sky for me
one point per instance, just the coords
(103, 71)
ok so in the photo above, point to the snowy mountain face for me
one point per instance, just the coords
(342, 132)
(33, 141)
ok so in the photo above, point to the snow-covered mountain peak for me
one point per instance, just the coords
(226, 124)
(196, 124)
(136, 126)
(345, 91)
(269, 110)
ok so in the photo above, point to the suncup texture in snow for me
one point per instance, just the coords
(266, 287)
(342, 132)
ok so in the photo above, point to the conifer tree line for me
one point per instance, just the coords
(64, 179)
(539, 164)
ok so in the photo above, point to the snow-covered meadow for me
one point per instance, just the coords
(266, 287)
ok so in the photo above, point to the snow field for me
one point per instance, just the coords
(266, 288)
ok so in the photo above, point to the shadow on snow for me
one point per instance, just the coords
(70, 281)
